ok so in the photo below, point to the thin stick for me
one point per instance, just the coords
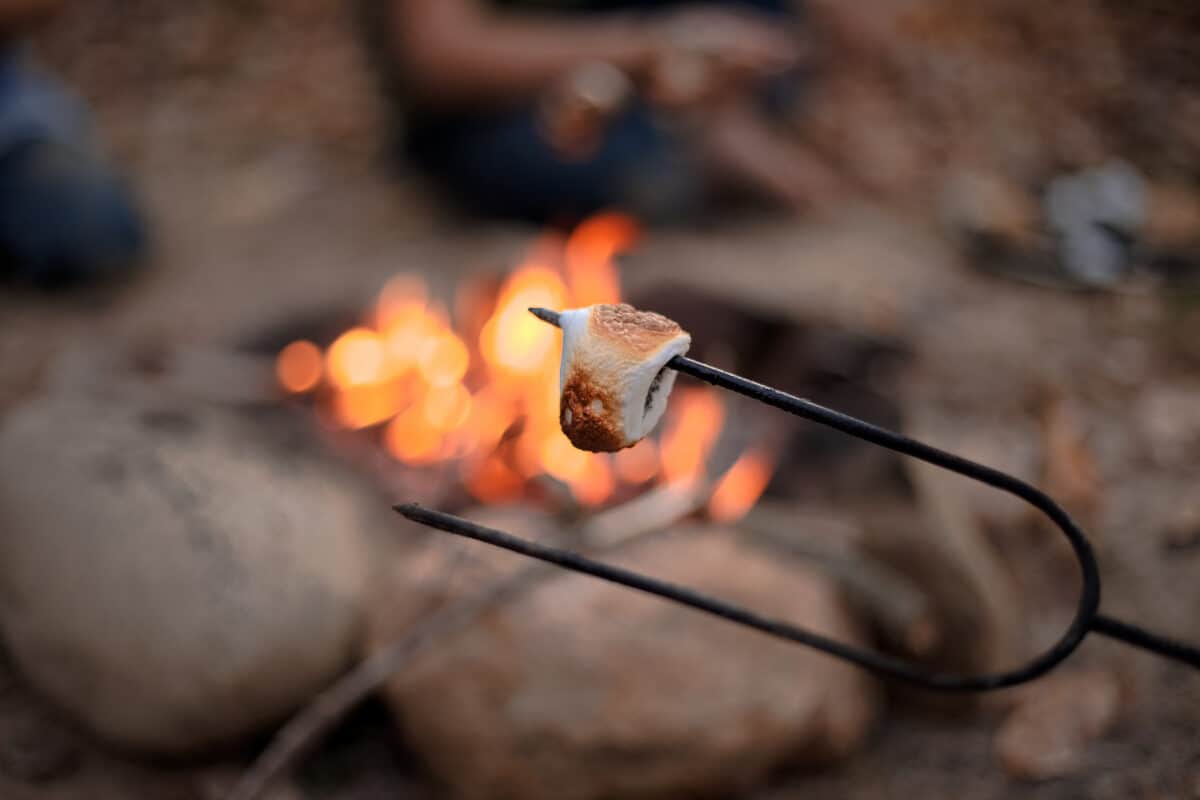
(305, 730)
(1140, 637)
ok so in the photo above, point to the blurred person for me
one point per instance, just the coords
(65, 215)
(552, 110)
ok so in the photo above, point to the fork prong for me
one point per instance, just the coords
(546, 315)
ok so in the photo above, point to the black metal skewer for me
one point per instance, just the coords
(1087, 619)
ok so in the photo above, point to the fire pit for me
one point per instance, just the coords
(471, 395)
(458, 403)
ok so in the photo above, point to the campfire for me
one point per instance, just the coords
(475, 388)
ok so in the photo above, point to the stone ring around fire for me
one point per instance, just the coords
(613, 377)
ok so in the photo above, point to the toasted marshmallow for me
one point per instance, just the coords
(613, 376)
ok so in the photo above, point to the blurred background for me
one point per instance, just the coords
(264, 268)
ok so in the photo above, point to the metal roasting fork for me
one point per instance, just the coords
(1087, 618)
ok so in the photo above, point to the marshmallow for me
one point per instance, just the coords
(613, 376)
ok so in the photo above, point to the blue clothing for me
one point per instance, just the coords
(65, 215)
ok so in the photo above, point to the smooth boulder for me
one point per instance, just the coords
(175, 576)
(582, 690)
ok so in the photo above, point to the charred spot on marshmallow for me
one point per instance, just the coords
(586, 427)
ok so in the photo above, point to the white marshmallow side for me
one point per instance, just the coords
(574, 324)
(639, 420)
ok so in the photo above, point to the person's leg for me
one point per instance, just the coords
(503, 166)
(65, 215)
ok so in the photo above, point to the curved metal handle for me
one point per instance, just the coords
(1087, 618)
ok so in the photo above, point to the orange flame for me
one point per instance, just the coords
(485, 391)
(411, 440)
(356, 358)
(690, 435)
(740, 487)
(362, 406)
(446, 408)
(493, 481)
(443, 360)
(596, 484)
(589, 252)
(513, 342)
(398, 297)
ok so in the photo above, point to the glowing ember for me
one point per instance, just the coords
(298, 366)
(484, 391)
(740, 487)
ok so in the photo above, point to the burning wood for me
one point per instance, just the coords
(657, 509)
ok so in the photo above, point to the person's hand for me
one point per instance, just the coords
(574, 113)
(704, 52)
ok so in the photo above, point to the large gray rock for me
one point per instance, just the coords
(580, 689)
(171, 574)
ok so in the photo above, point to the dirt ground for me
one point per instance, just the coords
(253, 138)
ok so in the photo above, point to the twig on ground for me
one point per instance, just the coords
(308, 727)
(657, 509)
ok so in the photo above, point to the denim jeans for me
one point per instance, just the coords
(65, 214)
